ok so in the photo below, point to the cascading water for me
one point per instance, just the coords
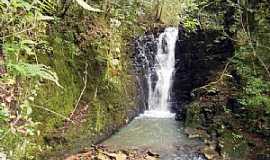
(155, 129)
(160, 75)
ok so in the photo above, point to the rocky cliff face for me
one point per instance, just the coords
(199, 55)
(144, 52)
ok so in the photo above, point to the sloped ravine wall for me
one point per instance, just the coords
(99, 96)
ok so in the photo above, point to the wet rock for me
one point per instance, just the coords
(199, 56)
(196, 133)
(210, 153)
(234, 105)
(181, 113)
(263, 156)
(144, 59)
(150, 158)
(121, 157)
(152, 154)
(102, 156)
(117, 156)
(103, 153)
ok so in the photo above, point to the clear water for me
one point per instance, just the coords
(160, 135)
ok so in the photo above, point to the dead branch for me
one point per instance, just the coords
(83, 90)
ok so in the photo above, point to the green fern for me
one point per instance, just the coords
(34, 70)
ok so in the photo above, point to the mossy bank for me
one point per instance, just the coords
(66, 74)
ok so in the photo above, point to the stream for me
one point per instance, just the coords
(156, 128)
(160, 135)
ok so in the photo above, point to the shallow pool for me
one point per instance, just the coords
(164, 136)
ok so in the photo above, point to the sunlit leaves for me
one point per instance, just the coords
(190, 24)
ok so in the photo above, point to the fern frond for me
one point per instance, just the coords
(34, 70)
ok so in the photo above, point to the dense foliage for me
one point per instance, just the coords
(59, 57)
(244, 81)
(247, 23)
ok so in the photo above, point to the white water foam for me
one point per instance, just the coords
(159, 91)
(156, 114)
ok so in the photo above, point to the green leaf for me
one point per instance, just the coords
(86, 6)
(11, 48)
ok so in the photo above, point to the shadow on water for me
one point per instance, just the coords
(161, 135)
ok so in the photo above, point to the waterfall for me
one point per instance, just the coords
(160, 74)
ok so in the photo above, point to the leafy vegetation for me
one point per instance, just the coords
(21, 28)
(63, 64)
(244, 79)
(246, 24)
(67, 63)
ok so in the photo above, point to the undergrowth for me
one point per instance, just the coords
(58, 57)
